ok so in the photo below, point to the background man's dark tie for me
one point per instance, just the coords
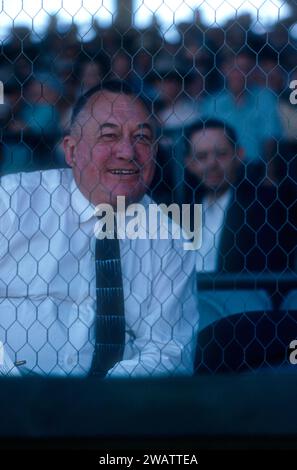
(110, 314)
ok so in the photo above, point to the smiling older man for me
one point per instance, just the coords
(69, 306)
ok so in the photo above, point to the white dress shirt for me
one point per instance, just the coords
(48, 286)
(214, 212)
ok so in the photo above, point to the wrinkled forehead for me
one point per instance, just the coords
(117, 108)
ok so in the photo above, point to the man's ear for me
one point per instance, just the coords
(155, 151)
(240, 154)
(69, 145)
(188, 161)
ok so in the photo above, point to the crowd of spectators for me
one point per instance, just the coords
(225, 71)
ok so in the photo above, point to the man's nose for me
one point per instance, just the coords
(212, 159)
(125, 149)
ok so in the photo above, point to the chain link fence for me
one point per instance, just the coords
(222, 99)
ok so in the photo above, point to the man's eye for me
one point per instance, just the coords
(143, 138)
(222, 154)
(108, 137)
(200, 156)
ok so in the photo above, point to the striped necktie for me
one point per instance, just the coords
(110, 313)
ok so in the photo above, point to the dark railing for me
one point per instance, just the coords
(250, 410)
(276, 284)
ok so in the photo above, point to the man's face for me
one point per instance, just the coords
(169, 88)
(238, 72)
(111, 149)
(212, 160)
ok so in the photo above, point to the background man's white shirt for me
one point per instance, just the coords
(214, 213)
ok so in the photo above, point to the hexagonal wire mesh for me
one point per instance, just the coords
(222, 110)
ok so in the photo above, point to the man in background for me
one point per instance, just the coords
(246, 229)
(244, 225)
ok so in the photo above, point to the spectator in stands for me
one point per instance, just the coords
(251, 111)
(245, 228)
(272, 74)
(55, 288)
(91, 71)
(40, 114)
(121, 66)
(175, 106)
(34, 127)
(12, 155)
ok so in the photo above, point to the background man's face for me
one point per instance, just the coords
(212, 160)
(111, 150)
(238, 73)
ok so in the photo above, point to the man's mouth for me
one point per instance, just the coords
(123, 172)
(213, 176)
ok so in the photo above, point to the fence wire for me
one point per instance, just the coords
(223, 102)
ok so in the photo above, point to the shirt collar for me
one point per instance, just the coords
(221, 202)
(80, 204)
